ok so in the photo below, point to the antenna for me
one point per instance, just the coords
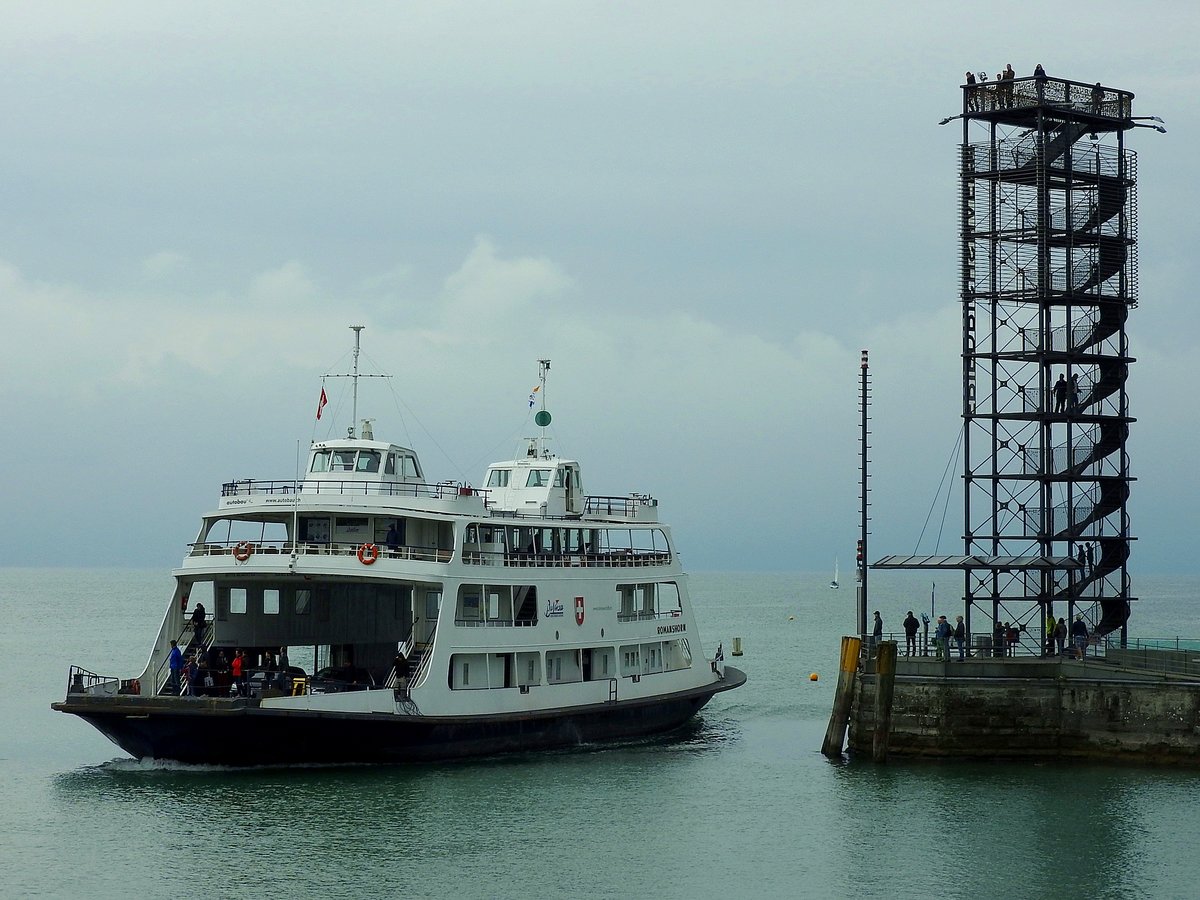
(354, 375)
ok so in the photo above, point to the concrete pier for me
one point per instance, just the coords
(1119, 709)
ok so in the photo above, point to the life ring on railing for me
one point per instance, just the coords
(367, 554)
(242, 551)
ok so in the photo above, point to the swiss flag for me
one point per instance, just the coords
(321, 403)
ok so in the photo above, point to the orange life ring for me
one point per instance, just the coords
(367, 554)
(242, 551)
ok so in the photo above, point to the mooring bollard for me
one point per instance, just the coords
(835, 734)
(885, 684)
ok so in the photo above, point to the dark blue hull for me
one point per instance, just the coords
(241, 733)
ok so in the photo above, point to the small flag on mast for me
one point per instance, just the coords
(321, 403)
(531, 395)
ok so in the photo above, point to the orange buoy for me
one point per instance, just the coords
(242, 551)
(812, 676)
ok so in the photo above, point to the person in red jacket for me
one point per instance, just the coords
(236, 667)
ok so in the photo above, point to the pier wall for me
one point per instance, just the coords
(1104, 718)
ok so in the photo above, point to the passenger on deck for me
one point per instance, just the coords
(198, 619)
(237, 667)
(190, 674)
(283, 680)
(175, 665)
(393, 538)
(400, 666)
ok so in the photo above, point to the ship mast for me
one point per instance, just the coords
(354, 375)
(542, 418)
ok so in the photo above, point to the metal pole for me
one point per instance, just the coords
(357, 329)
(862, 563)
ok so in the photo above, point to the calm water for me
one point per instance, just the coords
(740, 804)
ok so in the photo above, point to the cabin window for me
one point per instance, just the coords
(538, 478)
(558, 477)
(303, 602)
(529, 669)
(237, 600)
(368, 461)
(320, 461)
(469, 672)
(271, 602)
(350, 529)
(314, 531)
(389, 467)
(343, 461)
(410, 467)
(498, 478)
(631, 663)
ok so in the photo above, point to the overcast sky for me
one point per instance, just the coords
(699, 211)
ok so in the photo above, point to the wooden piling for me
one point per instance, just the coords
(885, 684)
(843, 698)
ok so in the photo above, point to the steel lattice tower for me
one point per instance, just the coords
(1049, 276)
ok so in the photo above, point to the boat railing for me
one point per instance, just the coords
(422, 669)
(643, 615)
(81, 681)
(621, 558)
(243, 550)
(621, 507)
(445, 490)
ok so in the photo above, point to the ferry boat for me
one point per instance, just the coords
(439, 620)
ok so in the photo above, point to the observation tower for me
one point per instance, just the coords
(1049, 275)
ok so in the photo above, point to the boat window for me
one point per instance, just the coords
(558, 477)
(343, 461)
(410, 467)
(320, 461)
(314, 531)
(498, 478)
(303, 602)
(538, 478)
(271, 602)
(237, 600)
(389, 468)
(368, 461)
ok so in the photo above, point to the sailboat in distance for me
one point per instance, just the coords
(834, 584)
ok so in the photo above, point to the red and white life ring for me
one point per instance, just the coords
(242, 551)
(367, 554)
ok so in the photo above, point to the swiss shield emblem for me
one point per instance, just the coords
(578, 610)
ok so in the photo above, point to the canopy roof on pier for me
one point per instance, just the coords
(998, 563)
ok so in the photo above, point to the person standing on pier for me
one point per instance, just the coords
(910, 634)
(1060, 636)
(1079, 637)
(960, 636)
(941, 639)
(877, 631)
(972, 100)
